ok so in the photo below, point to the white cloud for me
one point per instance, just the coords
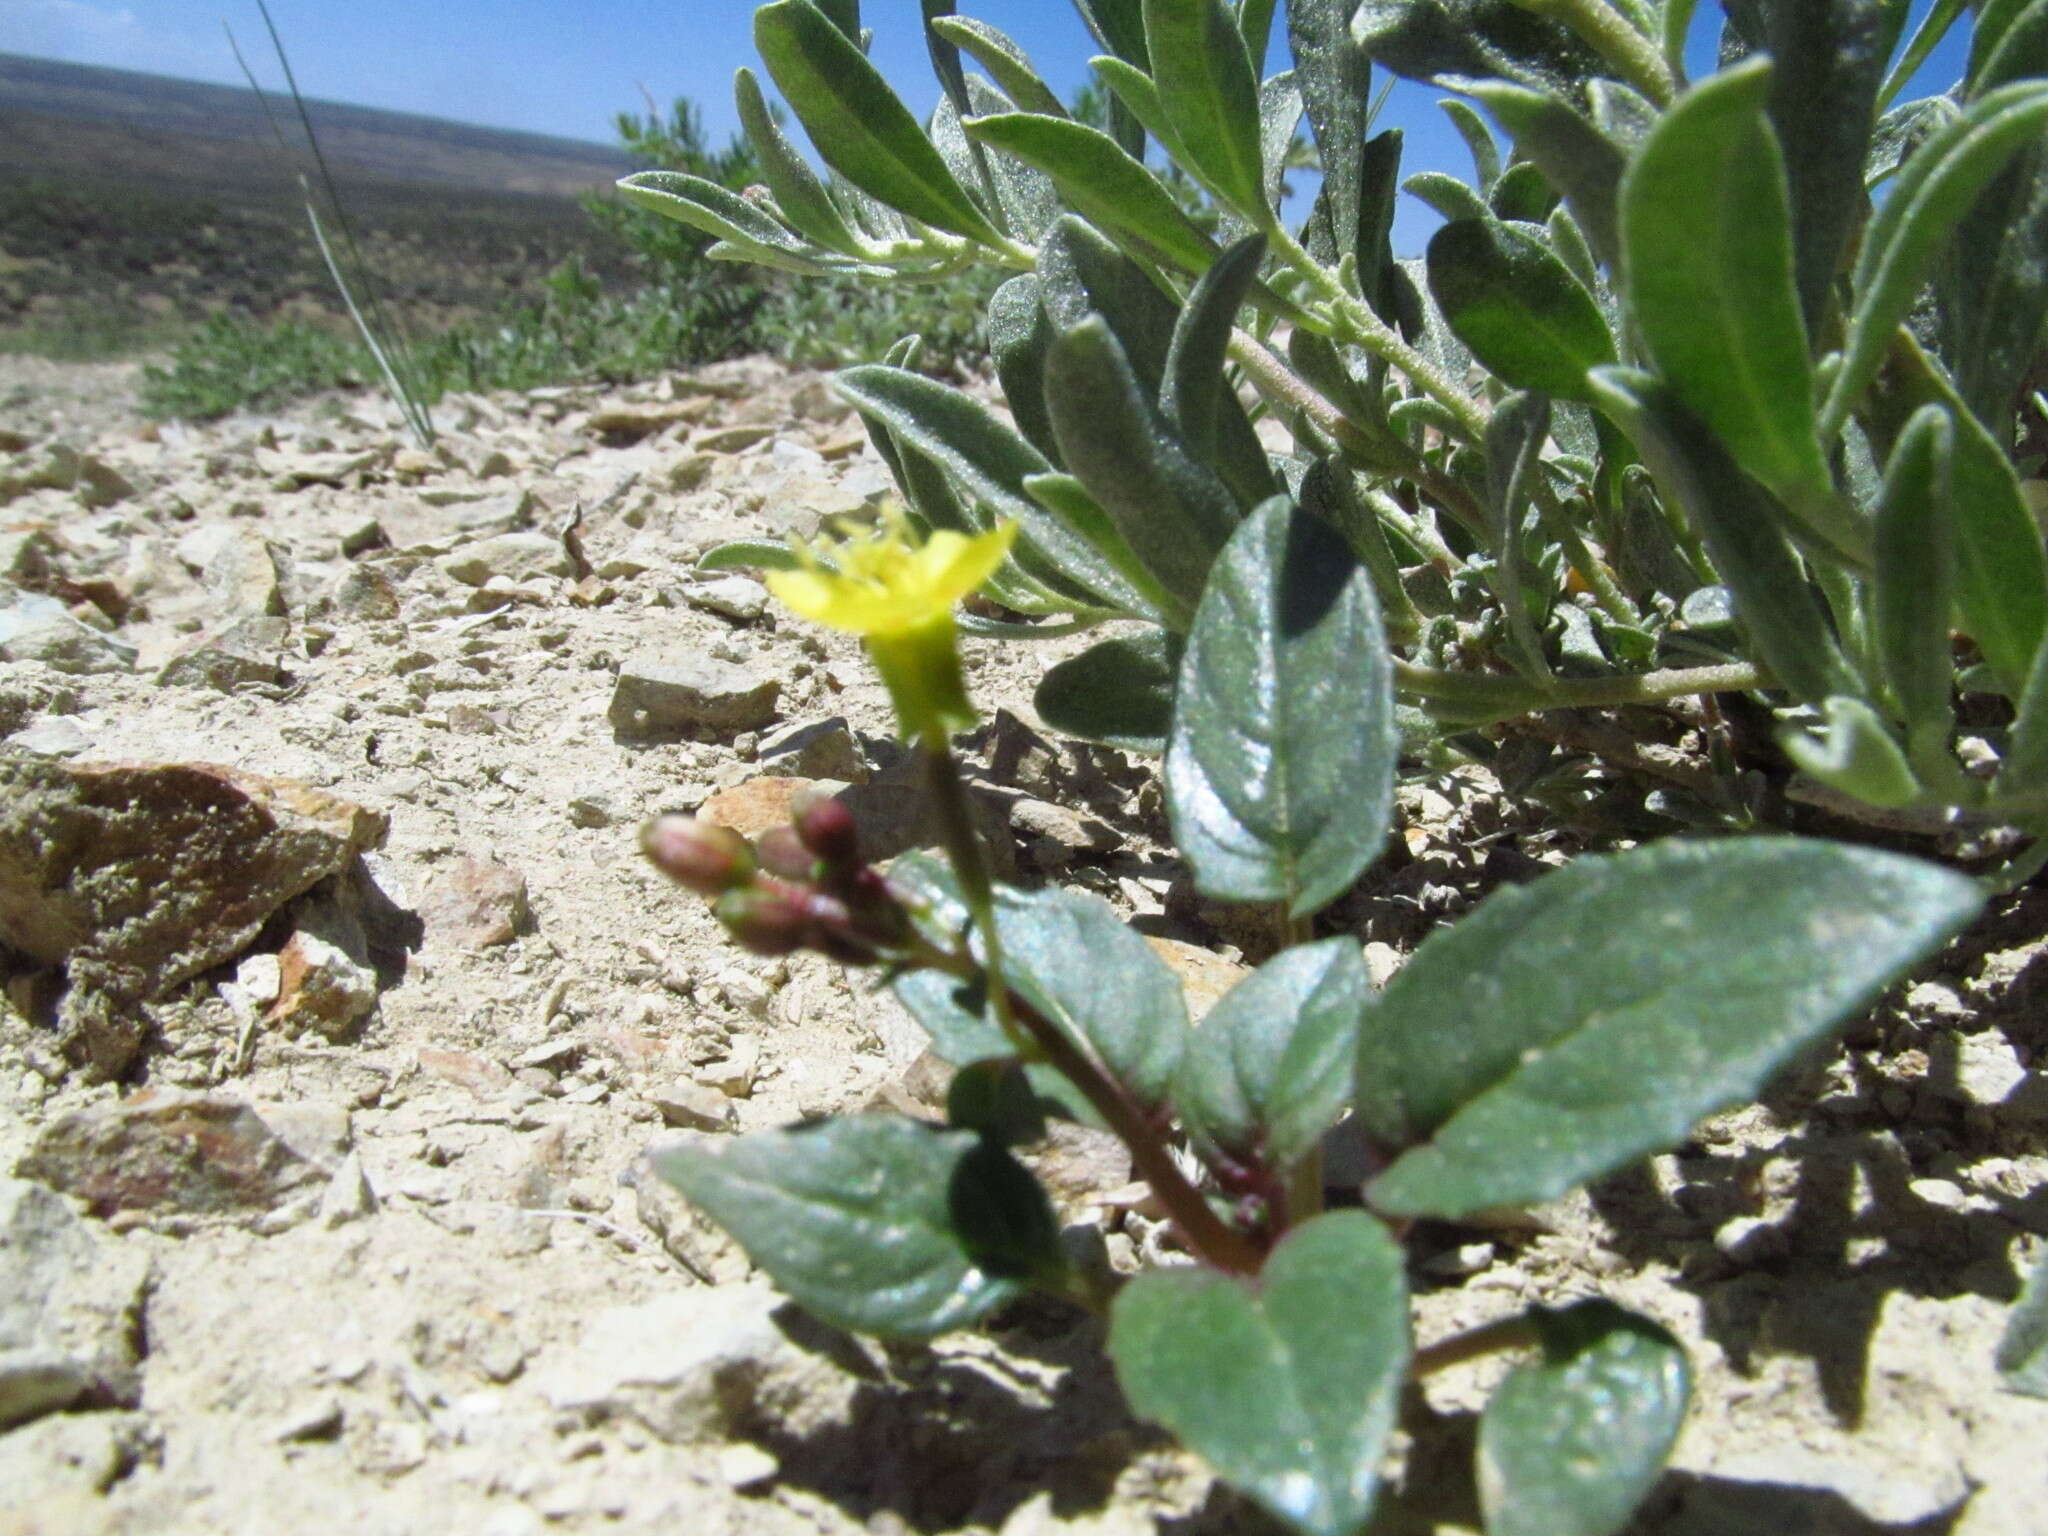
(111, 35)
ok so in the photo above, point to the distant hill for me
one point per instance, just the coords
(61, 120)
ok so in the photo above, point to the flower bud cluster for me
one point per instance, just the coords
(801, 886)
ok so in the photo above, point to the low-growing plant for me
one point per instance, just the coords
(1712, 397)
(1559, 1032)
(234, 363)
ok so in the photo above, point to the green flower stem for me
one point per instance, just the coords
(1474, 1344)
(1040, 1039)
(1638, 60)
(1487, 697)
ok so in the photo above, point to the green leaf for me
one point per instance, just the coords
(2001, 570)
(1478, 142)
(1518, 307)
(1270, 1069)
(877, 1224)
(1069, 500)
(1119, 26)
(1570, 1444)
(859, 127)
(1287, 1386)
(1913, 583)
(1102, 182)
(748, 554)
(1018, 337)
(1210, 93)
(1934, 190)
(1991, 283)
(1280, 770)
(1336, 88)
(1523, 194)
(1713, 295)
(1776, 608)
(707, 206)
(1007, 64)
(1118, 692)
(1582, 163)
(1174, 514)
(992, 461)
(1193, 394)
(1447, 42)
(1123, 1007)
(1255, 22)
(1830, 62)
(1447, 195)
(2023, 1350)
(1280, 109)
(1603, 1010)
(1858, 755)
(845, 15)
(798, 192)
(1515, 435)
(1081, 272)
(2010, 43)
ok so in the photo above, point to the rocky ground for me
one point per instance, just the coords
(343, 1012)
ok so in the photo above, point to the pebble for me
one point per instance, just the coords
(692, 1106)
(820, 749)
(170, 1151)
(36, 627)
(739, 598)
(475, 904)
(320, 988)
(348, 1196)
(675, 691)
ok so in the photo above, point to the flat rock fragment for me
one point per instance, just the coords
(674, 691)
(70, 1301)
(170, 1151)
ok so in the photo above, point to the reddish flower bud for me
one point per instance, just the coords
(828, 829)
(763, 922)
(783, 854)
(698, 855)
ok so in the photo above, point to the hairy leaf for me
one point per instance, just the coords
(1934, 189)
(1287, 1387)
(992, 461)
(1271, 1068)
(1209, 89)
(1713, 293)
(1518, 307)
(1571, 1442)
(1446, 42)
(1173, 513)
(1280, 768)
(1913, 585)
(1787, 629)
(1570, 1025)
(1118, 692)
(859, 127)
(876, 1223)
(1104, 184)
(1008, 65)
(1582, 163)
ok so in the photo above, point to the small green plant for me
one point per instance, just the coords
(234, 363)
(1705, 388)
(1559, 1032)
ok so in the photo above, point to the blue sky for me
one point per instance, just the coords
(567, 66)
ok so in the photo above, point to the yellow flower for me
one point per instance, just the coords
(898, 596)
(882, 582)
